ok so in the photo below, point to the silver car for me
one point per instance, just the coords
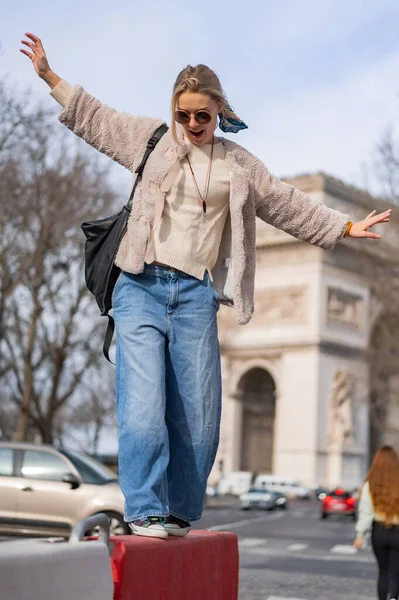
(257, 498)
(45, 491)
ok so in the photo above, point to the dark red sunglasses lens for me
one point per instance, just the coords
(202, 117)
(182, 117)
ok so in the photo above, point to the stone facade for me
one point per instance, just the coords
(296, 378)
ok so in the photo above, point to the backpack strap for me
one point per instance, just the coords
(108, 338)
(152, 142)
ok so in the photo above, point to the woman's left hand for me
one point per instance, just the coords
(361, 228)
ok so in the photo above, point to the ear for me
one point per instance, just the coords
(221, 106)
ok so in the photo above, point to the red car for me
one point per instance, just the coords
(339, 502)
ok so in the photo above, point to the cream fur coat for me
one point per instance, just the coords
(254, 192)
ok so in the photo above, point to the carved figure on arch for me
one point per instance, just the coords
(341, 407)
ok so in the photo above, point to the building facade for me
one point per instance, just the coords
(296, 379)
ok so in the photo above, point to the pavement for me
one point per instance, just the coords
(293, 555)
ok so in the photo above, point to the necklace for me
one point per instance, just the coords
(203, 197)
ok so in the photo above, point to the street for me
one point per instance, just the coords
(292, 555)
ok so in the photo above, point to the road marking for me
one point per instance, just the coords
(246, 522)
(312, 557)
(282, 598)
(261, 552)
(297, 547)
(343, 549)
(251, 542)
(297, 513)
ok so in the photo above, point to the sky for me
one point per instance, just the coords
(315, 80)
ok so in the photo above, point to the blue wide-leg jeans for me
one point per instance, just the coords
(168, 391)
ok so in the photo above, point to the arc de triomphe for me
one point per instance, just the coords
(296, 378)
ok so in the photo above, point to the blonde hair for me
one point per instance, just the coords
(383, 479)
(200, 79)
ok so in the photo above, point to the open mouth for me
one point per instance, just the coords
(197, 134)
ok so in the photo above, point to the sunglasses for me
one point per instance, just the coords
(201, 116)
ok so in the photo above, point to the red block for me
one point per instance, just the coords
(201, 566)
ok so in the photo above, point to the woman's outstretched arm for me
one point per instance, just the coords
(287, 208)
(120, 136)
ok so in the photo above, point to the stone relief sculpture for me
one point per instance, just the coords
(345, 309)
(283, 304)
(341, 406)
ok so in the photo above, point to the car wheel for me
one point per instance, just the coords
(117, 525)
(323, 515)
(244, 507)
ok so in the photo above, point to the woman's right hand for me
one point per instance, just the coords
(39, 59)
(358, 543)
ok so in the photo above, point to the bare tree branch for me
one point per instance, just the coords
(50, 339)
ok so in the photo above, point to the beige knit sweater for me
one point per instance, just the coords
(181, 237)
(254, 192)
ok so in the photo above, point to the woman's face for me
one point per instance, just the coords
(192, 112)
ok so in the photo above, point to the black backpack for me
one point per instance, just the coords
(103, 238)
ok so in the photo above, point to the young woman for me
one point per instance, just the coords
(379, 511)
(190, 244)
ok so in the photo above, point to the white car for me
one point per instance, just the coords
(288, 486)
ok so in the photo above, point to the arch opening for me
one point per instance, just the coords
(257, 393)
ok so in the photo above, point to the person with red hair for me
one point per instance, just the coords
(379, 512)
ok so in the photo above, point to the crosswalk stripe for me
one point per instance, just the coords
(297, 547)
(251, 542)
(261, 547)
(343, 549)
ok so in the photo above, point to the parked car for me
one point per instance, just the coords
(45, 491)
(338, 502)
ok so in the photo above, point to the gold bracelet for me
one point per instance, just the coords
(348, 228)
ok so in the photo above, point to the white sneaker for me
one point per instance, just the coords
(177, 527)
(149, 527)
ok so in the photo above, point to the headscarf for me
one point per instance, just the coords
(229, 122)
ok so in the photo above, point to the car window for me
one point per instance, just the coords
(90, 470)
(38, 464)
(6, 461)
(339, 494)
